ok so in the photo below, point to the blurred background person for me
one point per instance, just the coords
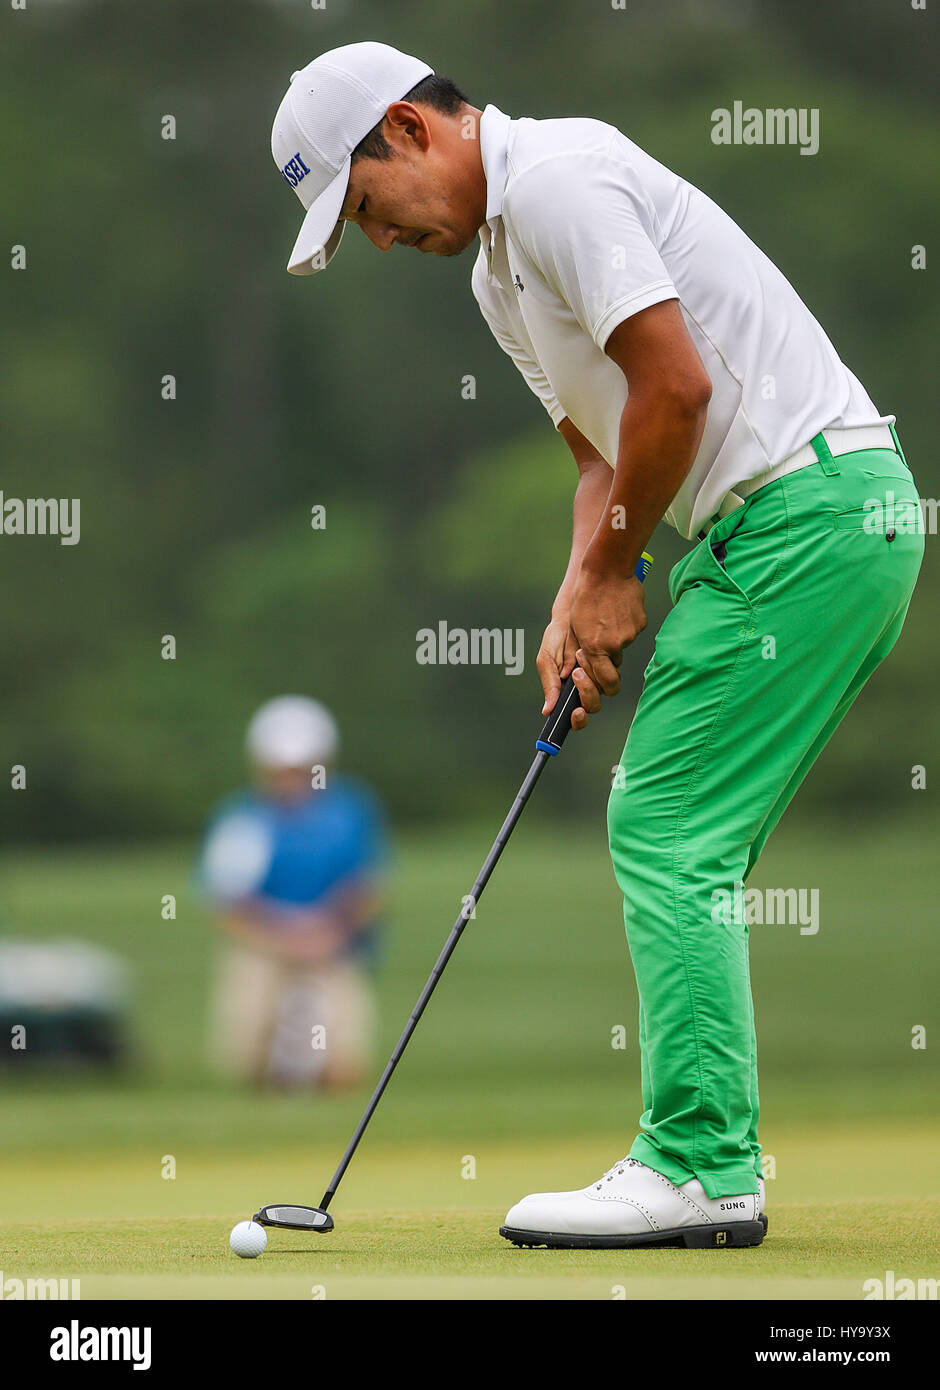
(293, 868)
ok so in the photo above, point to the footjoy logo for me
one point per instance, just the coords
(75, 1343)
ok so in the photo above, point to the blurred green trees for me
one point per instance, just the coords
(149, 258)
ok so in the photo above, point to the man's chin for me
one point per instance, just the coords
(455, 245)
(444, 243)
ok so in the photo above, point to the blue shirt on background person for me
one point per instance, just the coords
(290, 854)
(293, 866)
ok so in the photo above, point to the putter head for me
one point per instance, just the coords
(295, 1218)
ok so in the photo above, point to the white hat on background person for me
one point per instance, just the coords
(330, 106)
(292, 731)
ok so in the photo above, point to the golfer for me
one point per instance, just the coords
(692, 385)
(293, 869)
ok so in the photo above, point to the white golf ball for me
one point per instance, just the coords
(248, 1239)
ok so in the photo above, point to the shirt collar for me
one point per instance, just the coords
(494, 151)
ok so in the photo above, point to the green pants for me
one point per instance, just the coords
(780, 616)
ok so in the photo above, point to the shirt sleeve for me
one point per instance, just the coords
(236, 857)
(534, 377)
(586, 224)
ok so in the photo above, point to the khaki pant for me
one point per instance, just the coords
(273, 1021)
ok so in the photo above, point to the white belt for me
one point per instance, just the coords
(847, 441)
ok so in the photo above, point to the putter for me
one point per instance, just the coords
(548, 744)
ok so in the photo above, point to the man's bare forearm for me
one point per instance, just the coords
(658, 443)
(661, 426)
(590, 502)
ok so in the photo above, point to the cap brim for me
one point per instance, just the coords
(322, 231)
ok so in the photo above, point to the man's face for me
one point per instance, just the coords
(427, 195)
(286, 785)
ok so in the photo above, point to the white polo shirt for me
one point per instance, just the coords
(582, 230)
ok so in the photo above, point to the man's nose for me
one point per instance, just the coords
(381, 234)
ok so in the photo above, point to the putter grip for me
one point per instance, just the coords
(558, 724)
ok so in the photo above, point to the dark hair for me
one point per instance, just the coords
(437, 92)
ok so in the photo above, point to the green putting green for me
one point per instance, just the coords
(523, 1076)
(845, 1208)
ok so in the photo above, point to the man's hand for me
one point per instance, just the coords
(607, 614)
(556, 659)
(301, 937)
(320, 947)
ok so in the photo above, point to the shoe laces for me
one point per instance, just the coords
(617, 1171)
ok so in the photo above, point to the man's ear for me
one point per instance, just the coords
(406, 125)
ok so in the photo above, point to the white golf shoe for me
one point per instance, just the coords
(633, 1205)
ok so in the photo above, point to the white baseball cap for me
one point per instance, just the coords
(330, 106)
(292, 731)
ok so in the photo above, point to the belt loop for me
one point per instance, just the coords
(897, 445)
(824, 455)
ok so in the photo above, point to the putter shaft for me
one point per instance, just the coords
(549, 743)
(499, 844)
